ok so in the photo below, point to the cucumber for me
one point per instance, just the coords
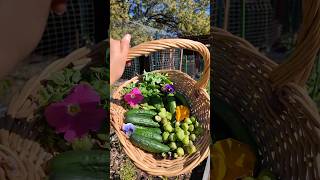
(71, 164)
(73, 175)
(157, 102)
(155, 130)
(147, 113)
(141, 121)
(149, 134)
(171, 104)
(180, 97)
(149, 145)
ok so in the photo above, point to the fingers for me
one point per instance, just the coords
(114, 44)
(125, 44)
(128, 63)
(59, 6)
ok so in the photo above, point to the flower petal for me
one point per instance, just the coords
(127, 98)
(136, 91)
(82, 93)
(90, 118)
(128, 128)
(57, 116)
(138, 98)
(133, 101)
(70, 135)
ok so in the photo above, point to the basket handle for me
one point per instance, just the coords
(298, 66)
(163, 44)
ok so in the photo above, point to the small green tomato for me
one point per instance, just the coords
(180, 151)
(165, 136)
(173, 145)
(185, 126)
(172, 137)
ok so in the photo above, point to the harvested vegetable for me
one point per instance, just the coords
(162, 120)
(232, 160)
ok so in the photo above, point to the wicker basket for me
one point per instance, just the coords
(21, 158)
(200, 107)
(272, 98)
(20, 146)
(25, 103)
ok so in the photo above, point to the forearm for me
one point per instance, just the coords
(22, 24)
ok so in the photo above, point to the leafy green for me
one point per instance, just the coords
(4, 86)
(76, 77)
(128, 88)
(150, 87)
(152, 83)
(84, 143)
(58, 78)
(57, 87)
(146, 106)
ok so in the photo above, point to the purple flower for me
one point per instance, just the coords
(168, 88)
(128, 128)
(134, 97)
(77, 114)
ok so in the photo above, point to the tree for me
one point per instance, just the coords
(120, 23)
(182, 17)
(144, 19)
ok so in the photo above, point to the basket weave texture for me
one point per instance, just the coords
(21, 159)
(195, 93)
(272, 98)
(27, 154)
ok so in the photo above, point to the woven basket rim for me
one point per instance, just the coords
(140, 163)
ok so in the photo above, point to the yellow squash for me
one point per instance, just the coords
(231, 159)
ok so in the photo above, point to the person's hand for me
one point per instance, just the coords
(59, 6)
(118, 57)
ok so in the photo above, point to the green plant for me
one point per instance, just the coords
(57, 87)
(128, 171)
(4, 86)
(314, 81)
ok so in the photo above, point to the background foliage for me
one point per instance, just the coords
(146, 20)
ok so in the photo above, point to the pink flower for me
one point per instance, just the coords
(77, 114)
(134, 97)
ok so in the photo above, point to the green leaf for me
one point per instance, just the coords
(68, 75)
(76, 77)
(84, 143)
(56, 97)
(44, 96)
(58, 78)
(103, 137)
(102, 88)
(4, 86)
(50, 89)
